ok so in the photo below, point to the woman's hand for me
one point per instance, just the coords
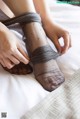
(54, 32)
(11, 52)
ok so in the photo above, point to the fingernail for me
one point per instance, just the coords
(26, 62)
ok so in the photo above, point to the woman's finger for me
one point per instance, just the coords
(67, 41)
(23, 52)
(57, 45)
(70, 44)
(2, 63)
(14, 60)
(8, 63)
(20, 57)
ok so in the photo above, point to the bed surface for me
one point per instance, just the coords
(63, 103)
(18, 94)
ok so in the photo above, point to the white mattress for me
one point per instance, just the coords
(18, 94)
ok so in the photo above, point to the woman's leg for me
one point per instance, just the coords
(45, 67)
(20, 6)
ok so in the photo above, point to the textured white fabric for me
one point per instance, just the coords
(63, 103)
(18, 94)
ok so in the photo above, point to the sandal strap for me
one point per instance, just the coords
(23, 19)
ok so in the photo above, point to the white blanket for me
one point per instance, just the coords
(63, 103)
(18, 94)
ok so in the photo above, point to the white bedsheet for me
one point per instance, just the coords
(18, 94)
(63, 103)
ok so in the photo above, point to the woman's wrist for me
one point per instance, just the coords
(46, 21)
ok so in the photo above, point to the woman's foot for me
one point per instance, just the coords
(45, 68)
